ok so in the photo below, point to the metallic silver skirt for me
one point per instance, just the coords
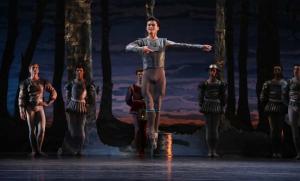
(77, 107)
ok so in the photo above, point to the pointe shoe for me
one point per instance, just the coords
(127, 149)
(298, 156)
(79, 154)
(32, 154)
(152, 138)
(42, 154)
(276, 155)
(60, 151)
(215, 154)
(153, 146)
(155, 138)
(151, 143)
(279, 155)
(210, 154)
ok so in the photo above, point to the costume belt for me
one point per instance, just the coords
(275, 100)
(212, 100)
(78, 100)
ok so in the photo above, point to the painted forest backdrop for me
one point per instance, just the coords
(259, 33)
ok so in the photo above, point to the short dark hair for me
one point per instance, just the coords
(296, 65)
(279, 65)
(152, 18)
(32, 64)
(138, 70)
(80, 65)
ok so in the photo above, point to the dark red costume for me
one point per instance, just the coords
(136, 101)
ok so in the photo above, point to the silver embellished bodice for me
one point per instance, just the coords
(32, 92)
(294, 91)
(155, 59)
(78, 91)
(212, 96)
(272, 96)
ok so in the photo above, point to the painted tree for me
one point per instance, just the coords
(110, 130)
(78, 37)
(230, 109)
(293, 12)
(78, 40)
(8, 55)
(150, 4)
(56, 134)
(220, 48)
(268, 49)
(243, 112)
(220, 35)
(27, 56)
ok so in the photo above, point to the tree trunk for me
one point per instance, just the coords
(220, 49)
(220, 36)
(8, 55)
(35, 35)
(110, 130)
(292, 10)
(28, 55)
(268, 50)
(56, 133)
(230, 111)
(106, 99)
(243, 112)
(78, 37)
(150, 4)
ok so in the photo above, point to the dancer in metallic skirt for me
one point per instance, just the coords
(78, 97)
(292, 98)
(271, 97)
(212, 100)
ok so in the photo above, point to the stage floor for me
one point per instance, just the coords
(131, 168)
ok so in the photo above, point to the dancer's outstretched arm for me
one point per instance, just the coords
(204, 47)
